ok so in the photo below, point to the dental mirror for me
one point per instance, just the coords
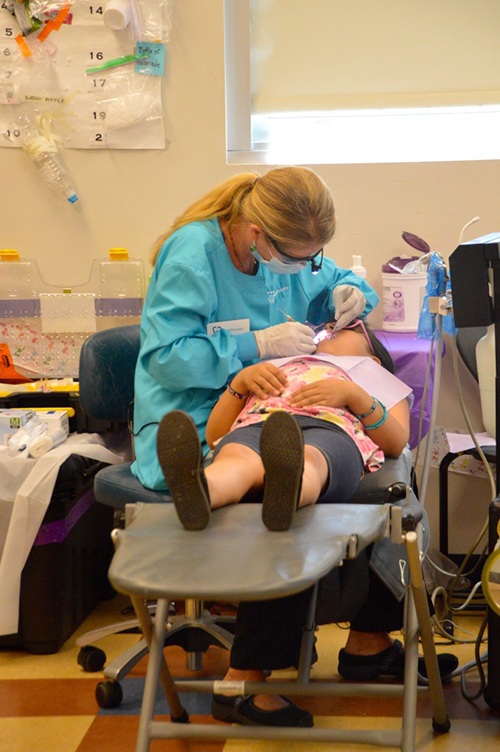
(418, 243)
(490, 580)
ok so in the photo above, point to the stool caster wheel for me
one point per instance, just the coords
(91, 659)
(491, 699)
(108, 694)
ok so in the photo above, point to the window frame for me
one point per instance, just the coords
(433, 134)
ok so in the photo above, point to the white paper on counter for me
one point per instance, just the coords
(460, 442)
(36, 481)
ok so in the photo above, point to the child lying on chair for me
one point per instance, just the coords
(302, 429)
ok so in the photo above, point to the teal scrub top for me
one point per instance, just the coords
(197, 328)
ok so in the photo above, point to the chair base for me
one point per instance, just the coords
(195, 637)
(195, 632)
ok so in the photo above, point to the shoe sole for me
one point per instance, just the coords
(282, 453)
(369, 673)
(227, 714)
(296, 718)
(363, 673)
(179, 454)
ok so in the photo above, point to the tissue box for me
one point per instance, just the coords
(54, 420)
(11, 421)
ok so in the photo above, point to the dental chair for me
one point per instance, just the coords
(107, 365)
(154, 559)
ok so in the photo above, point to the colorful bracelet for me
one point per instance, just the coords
(235, 393)
(379, 422)
(368, 412)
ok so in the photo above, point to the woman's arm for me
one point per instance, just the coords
(394, 431)
(262, 379)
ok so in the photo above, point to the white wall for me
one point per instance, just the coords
(127, 198)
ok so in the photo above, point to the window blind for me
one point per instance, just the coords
(324, 55)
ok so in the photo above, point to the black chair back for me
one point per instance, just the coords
(107, 368)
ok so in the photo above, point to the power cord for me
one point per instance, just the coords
(478, 662)
(455, 577)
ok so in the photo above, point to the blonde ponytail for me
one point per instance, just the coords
(292, 205)
(223, 202)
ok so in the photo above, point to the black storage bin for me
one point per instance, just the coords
(65, 575)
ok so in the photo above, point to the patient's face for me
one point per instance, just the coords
(345, 342)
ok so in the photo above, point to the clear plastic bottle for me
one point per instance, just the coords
(52, 170)
(45, 156)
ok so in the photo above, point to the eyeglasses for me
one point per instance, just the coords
(315, 265)
(359, 323)
(353, 325)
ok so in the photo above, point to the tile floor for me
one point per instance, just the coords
(47, 702)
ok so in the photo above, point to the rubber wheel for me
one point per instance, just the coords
(491, 699)
(441, 728)
(108, 694)
(91, 658)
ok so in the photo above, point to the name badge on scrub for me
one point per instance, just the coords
(235, 326)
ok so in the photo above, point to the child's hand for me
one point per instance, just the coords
(263, 379)
(331, 392)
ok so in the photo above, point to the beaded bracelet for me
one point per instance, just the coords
(379, 422)
(368, 412)
(235, 393)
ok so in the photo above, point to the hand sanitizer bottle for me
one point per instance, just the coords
(357, 267)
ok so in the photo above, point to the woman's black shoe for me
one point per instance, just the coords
(242, 709)
(389, 663)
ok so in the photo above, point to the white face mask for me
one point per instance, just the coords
(276, 265)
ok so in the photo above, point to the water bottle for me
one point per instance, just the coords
(45, 156)
(54, 173)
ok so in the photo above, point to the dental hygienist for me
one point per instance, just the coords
(233, 279)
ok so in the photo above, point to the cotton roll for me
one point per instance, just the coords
(44, 444)
(40, 446)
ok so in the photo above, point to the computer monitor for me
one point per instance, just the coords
(470, 289)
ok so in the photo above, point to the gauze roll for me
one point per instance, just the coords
(44, 444)
(40, 446)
